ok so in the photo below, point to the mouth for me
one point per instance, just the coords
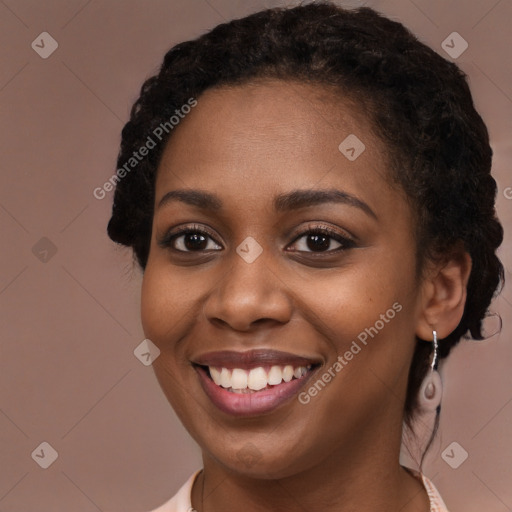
(254, 382)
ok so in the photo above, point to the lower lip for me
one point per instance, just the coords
(250, 404)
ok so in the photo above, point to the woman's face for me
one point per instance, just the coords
(258, 292)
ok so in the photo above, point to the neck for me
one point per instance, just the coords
(362, 479)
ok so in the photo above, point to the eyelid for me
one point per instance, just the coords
(165, 241)
(346, 240)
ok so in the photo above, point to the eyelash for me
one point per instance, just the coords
(169, 238)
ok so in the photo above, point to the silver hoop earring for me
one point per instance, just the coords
(431, 389)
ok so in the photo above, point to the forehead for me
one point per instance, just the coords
(255, 139)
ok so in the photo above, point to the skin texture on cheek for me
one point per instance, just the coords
(247, 144)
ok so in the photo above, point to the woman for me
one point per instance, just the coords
(314, 216)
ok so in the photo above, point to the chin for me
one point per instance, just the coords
(253, 460)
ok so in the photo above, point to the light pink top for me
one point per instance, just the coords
(181, 501)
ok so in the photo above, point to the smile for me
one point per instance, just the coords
(254, 382)
(239, 380)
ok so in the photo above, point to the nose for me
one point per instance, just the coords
(248, 295)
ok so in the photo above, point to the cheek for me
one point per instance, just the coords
(151, 304)
(171, 302)
(165, 321)
(161, 308)
(348, 301)
(368, 316)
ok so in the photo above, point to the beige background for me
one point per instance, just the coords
(70, 321)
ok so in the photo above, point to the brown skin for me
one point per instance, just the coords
(340, 451)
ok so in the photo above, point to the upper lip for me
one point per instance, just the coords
(253, 359)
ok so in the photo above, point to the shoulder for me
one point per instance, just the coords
(181, 501)
(436, 502)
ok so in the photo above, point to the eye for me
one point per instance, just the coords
(320, 239)
(316, 239)
(189, 239)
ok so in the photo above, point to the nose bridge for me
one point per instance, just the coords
(248, 290)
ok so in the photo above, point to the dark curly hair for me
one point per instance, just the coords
(418, 103)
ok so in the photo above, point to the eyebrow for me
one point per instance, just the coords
(289, 201)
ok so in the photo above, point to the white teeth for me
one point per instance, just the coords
(246, 381)
(215, 375)
(225, 378)
(288, 373)
(239, 379)
(257, 379)
(275, 375)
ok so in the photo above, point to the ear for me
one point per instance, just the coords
(443, 297)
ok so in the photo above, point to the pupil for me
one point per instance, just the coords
(318, 242)
(194, 241)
